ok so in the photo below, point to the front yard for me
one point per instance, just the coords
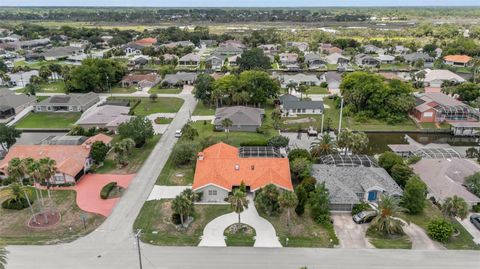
(50, 87)
(157, 228)
(147, 106)
(317, 90)
(48, 120)
(14, 229)
(159, 90)
(203, 110)
(378, 240)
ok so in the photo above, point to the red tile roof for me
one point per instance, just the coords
(146, 41)
(222, 166)
(458, 58)
(70, 159)
(99, 137)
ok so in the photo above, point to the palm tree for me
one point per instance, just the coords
(48, 169)
(238, 202)
(16, 192)
(475, 66)
(385, 221)
(226, 124)
(182, 205)
(291, 86)
(122, 149)
(16, 171)
(455, 207)
(359, 142)
(35, 172)
(288, 200)
(302, 89)
(3, 257)
(324, 146)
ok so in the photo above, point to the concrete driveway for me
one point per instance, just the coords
(166, 192)
(266, 235)
(420, 239)
(471, 228)
(350, 234)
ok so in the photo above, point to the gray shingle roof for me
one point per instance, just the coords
(303, 105)
(240, 115)
(179, 77)
(344, 183)
(73, 99)
(9, 98)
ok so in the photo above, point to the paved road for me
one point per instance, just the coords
(265, 232)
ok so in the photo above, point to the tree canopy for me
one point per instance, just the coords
(254, 59)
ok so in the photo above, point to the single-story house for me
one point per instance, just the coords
(366, 60)
(412, 58)
(228, 50)
(439, 107)
(180, 78)
(233, 43)
(292, 105)
(221, 168)
(445, 177)
(21, 78)
(184, 43)
(141, 80)
(399, 49)
(314, 61)
(146, 42)
(386, 59)
(72, 161)
(457, 60)
(215, 61)
(12, 103)
(105, 116)
(28, 44)
(327, 48)
(208, 43)
(336, 58)
(246, 119)
(333, 80)
(270, 48)
(302, 46)
(348, 186)
(74, 102)
(133, 48)
(299, 79)
(191, 59)
(288, 58)
(58, 53)
(138, 61)
(372, 49)
(434, 78)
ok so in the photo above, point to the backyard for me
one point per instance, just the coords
(157, 228)
(147, 106)
(14, 229)
(48, 120)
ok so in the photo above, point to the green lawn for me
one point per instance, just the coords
(302, 232)
(203, 110)
(135, 161)
(243, 237)
(163, 120)
(333, 114)
(165, 91)
(155, 221)
(14, 229)
(41, 98)
(147, 106)
(38, 64)
(172, 175)
(119, 89)
(317, 90)
(431, 212)
(380, 241)
(50, 87)
(49, 120)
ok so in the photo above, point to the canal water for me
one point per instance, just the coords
(379, 141)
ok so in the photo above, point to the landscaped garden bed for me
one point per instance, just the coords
(239, 235)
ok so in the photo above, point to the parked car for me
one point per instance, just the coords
(475, 220)
(178, 133)
(364, 217)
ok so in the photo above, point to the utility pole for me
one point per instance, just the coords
(340, 121)
(321, 128)
(137, 237)
(108, 85)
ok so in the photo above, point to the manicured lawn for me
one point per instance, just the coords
(157, 229)
(302, 232)
(333, 114)
(136, 159)
(203, 110)
(41, 98)
(317, 90)
(165, 91)
(380, 241)
(50, 87)
(49, 120)
(243, 237)
(431, 125)
(119, 89)
(332, 67)
(463, 241)
(172, 175)
(38, 64)
(147, 106)
(163, 120)
(14, 229)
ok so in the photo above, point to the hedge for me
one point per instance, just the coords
(12, 204)
(107, 189)
(254, 143)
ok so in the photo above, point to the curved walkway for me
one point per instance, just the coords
(420, 239)
(266, 235)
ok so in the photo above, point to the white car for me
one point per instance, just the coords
(178, 133)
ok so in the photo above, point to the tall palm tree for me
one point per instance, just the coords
(182, 205)
(35, 172)
(3, 257)
(385, 221)
(324, 146)
(288, 200)
(291, 86)
(302, 89)
(455, 207)
(16, 171)
(475, 67)
(122, 149)
(238, 202)
(226, 124)
(48, 169)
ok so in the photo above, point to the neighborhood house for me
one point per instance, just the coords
(246, 119)
(74, 102)
(439, 107)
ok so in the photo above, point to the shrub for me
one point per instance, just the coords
(476, 208)
(105, 192)
(254, 143)
(324, 84)
(99, 151)
(183, 154)
(414, 195)
(440, 230)
(299, 153)
(360, 207)
(15, 204)
(388, 159)
(413, 159)
(472, 183)
(278, 141)
(267, 200)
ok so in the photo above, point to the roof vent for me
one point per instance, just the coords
(253, 167)
(237, 167)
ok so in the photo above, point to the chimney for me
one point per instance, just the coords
(200, 156)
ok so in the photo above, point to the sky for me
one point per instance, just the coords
(241, 3)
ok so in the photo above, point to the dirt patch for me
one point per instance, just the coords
(44, 220)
